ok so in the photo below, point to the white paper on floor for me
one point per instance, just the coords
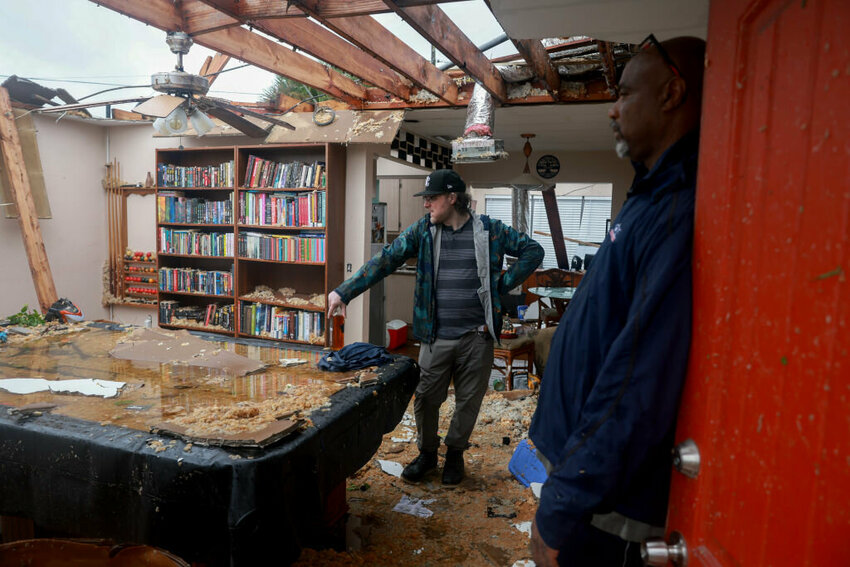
(84, 386)
(407, 436)
(536, 487)
(391, 467)
(524, 563)
(414, 507)
(287, 362)
(524, 527)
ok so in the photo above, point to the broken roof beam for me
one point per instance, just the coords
(366, 33)
(435, 26)
(609, 69)
(245, 46)
(535, 55)
(570, 92)
(312, 38)
(213, 66)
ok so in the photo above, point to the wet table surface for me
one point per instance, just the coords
(90, 468)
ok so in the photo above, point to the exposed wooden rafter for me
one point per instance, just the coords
(207, 19)
(321, 43)
(366, 33)
(435, 26)
(213, 66)
(348, 38)
(246, 46)
(609, 70)
(536, 56)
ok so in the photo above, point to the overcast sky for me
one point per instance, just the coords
(55, 42)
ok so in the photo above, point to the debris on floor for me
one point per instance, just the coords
(485, 520)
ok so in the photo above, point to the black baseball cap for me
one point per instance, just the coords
(442, 181)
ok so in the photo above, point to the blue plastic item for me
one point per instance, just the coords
(525, 465)
(3, 336)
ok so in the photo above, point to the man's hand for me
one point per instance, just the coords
(543, 555)
(335, 302)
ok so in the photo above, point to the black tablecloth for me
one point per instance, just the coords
(212, 505)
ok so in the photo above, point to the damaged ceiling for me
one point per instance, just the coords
(337, 47)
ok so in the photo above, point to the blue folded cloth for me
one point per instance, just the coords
(354, 357)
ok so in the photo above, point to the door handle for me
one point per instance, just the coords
(656, 553)
(686, 458)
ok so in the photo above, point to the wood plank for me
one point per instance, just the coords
(595, 90)
(550, 203)
(213, 66)
(312, 38)
(435, 26)
(199, 19)
(19, 185)
(265, 9)
(119, 114)
(609, 69)
(535, 55)
(367, 34)
(286, 102)
(246, 46)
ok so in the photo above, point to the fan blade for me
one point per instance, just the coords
(247, 128)
(264, 117)
(160, 105)
(67, 107)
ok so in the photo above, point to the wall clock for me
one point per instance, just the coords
(548, 166)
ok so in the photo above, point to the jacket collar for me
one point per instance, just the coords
(671, 171)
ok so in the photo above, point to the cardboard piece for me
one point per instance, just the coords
(151, 345)
(261, 438)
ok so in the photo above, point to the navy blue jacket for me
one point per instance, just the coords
(610, 391)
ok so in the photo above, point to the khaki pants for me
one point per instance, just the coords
(467, 362)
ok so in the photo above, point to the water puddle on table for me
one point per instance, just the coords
(154, 391)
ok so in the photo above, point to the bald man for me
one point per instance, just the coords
(609, 396)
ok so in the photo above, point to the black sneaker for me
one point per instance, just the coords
(421, 465)
(453, 469)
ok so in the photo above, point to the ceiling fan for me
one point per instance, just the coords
(183, 102)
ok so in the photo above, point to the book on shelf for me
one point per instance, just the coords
(263, 173)
(203, 176)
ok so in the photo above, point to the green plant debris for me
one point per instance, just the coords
(836, 272)
(24, 319)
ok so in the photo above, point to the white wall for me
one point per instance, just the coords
(73, 155)
(576, 167)
(360, 181)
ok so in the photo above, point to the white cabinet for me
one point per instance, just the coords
(403, 209)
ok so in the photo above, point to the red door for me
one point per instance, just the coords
(766, 399)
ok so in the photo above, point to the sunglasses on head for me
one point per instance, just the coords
(650, 41)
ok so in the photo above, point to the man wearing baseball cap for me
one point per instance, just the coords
(456, 309)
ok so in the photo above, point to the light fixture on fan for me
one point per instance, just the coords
(178, 121)
(201, 123)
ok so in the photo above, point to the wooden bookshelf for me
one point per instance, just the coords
(274, 227)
